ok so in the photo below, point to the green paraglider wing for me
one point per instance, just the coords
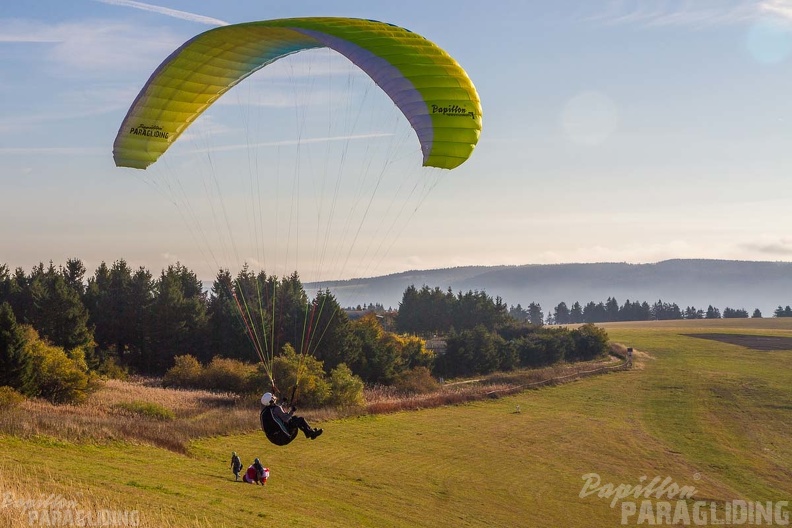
(426, 83)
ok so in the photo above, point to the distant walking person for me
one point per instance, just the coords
(236, 465)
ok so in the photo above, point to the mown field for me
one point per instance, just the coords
(704, 413)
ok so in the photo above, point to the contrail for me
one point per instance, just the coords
(175, 13)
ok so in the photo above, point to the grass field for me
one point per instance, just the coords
(704, 413)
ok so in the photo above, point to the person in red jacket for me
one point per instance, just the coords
(256, 473)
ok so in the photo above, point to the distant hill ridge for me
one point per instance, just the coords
(686, 282)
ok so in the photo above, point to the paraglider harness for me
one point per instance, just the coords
(277, 432)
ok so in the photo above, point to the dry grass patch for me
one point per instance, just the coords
(140, 411)
(181, 402)
(133, 411)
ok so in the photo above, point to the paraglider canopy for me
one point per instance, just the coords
(429, 87)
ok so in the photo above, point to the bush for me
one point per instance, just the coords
(306, 372)
(259, 380)
(109, 368)
(222, 374)
(9, 398)
(228, 375)
(186, 372)
(414, 353)
(54, 375)
(471, 352)
(346, 388)
(416, 381)
(544, 347)
(590, 342)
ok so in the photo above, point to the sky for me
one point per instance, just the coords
(619, 131)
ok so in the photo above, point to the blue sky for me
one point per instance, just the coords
(629, 131)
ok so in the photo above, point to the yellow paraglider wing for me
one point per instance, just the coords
(426, 83)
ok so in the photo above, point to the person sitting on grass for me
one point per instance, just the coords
(255, 473)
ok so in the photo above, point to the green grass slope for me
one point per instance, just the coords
(704, 413)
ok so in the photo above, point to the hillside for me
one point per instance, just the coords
(699, 283)
(699, 412)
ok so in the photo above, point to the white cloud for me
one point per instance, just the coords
(781, 8)
(769, 245)
(82, 105)
(98, 46)
(13, 30)
(175, 13)
(112, 47)
(52, 151)
(702, 13)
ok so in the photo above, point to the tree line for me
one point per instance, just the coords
(611, 311)
(433, 310)
(124, 319)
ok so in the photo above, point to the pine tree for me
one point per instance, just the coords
(330, 332)
(178, 319)
(535, 315)
(13, 360)
(58, 313)
(561, 314)
(576, 313)
(230, 334)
